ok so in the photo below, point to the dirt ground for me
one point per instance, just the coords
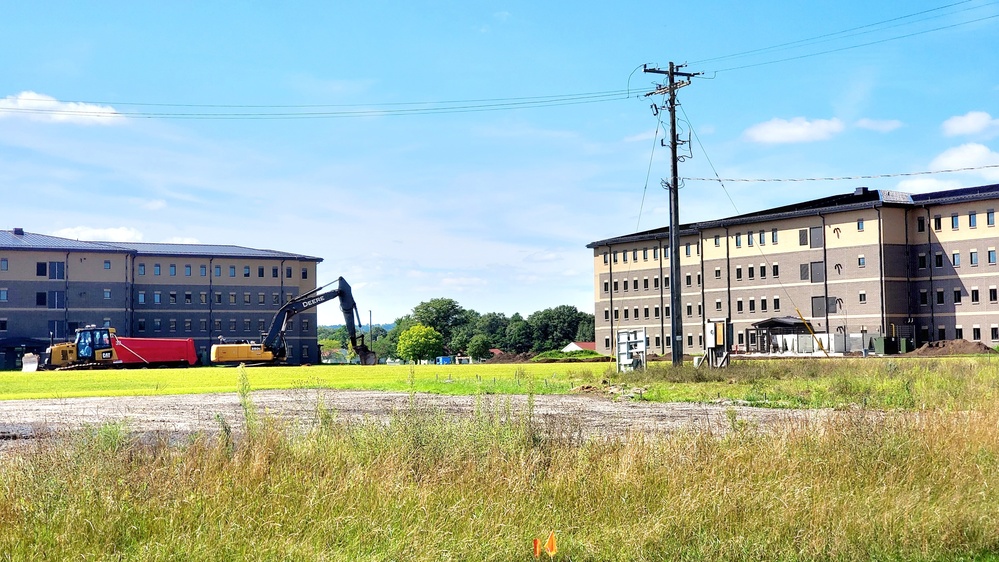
(23, 421)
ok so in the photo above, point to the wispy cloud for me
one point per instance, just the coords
(110, 234)
(879, 125)
(40, 107)
(969, 155)
(971, 123)
(799, 129)
(926, 185)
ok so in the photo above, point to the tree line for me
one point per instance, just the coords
(443, 327)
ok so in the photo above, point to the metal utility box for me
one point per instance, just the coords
(631, 350)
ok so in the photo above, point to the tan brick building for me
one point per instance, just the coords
(855, 266)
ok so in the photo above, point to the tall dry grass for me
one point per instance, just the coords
(430, 486)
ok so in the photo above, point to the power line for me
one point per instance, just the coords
(846, 178)
(350, 110)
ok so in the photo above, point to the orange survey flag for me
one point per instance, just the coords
(537, 548)
(550, 546)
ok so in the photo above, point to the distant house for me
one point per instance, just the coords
(580, 346)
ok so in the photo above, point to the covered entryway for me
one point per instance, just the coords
(784, 334)
(12, 349)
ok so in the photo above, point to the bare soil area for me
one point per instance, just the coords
(176, 417)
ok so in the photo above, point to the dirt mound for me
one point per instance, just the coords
(506, 357)
(951, 347)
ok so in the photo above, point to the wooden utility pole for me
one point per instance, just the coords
(670, 88)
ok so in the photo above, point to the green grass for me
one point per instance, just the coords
(427, 486)
(956, 383)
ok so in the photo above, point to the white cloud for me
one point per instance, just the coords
(641, 137)
(112, 234)
(182, 240)
(926, 185)
(971, 123)
(970, 155)
(463, 282)
(799, 129)
(153, 204)
(40, 107)
(879, 125)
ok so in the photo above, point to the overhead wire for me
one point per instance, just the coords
(846, 178)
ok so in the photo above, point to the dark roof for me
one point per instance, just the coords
(784, 323)
(860, 198)
(218, 250)
(18, 239)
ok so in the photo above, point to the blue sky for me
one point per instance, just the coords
(159, 122)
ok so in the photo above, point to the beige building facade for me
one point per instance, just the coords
(852, 267)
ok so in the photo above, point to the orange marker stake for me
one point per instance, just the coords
(550, 547)
(537, 548)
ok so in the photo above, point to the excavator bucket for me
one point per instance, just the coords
(365, 355)
(29, 363)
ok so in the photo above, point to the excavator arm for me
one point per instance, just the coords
(273, 347)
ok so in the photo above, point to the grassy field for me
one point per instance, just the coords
(429, 487)
(908, 469)
(884, 383)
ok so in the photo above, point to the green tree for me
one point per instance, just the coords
(519, 335)
(420, 342)
(478, 347)
(586, 330)
(386, 346)
(493, 325)
(443, 315)
(554, 328)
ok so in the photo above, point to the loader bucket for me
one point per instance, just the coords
(29, 363)
(365, 355)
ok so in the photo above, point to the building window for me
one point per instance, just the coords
(974, 295)
(921, 261)
(203, 270)
(260, 269)
(717, 273)
(142, 297)
(204, 298)
(751, 271)
(107, 264)
(173, 270)
(635, 285)
(773, 236)
(924, 298)
(860, 225)
(717, 240)
(955, 221)
(688, 249)
(217, 325)
(957, 296)
(937, 225)
(232, 324)
(157, 298)
(959, 333)
(687, 279)
(646, 312)
(738, 273)
(763, 271)
(862, 297)
(749, 238)
(41, 269)
(142, 324)
(752, 305)
(625, 285)
(738, 239)
(645, 256)
(156, 269)
(776, 270)
(995, 333)
(246, 325)
(3, 264)
(763, 304)
(992, 256)
(173, 297)
(920, 224)
(972, 219)
(938, 259)
(634, 258)
(941, 333)
(973, 258)
(615, 285)
(246, 298)
(776, 303)
(606, 314)
(976, 333)
(955, 259)
(107, 294)
(718, 304)
(940, 296)
(232, 271)
(232, 298)
(645, 283)
(861, 261)
(187, 324)
(187, 298)
(187, 270)
(276, 299)
(287, 272)
(990, 217)
(763, 237)
(3, 295)
(246, 271)
(803, 237)
(218, 271)
(655, 312)
(218, 298)
(606, 343)
(738, 305)
(616, 313)
(157, 324)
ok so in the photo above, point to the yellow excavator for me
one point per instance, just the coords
(272, 347)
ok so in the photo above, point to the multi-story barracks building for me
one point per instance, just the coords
(50, 286)
(849, 268)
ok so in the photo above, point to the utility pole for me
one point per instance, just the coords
(670, 88)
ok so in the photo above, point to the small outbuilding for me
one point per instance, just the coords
(580, 346)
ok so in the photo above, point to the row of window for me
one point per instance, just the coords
(203, 270)
(203, 298)
(688, 249)
(955, 221)
(188, 325)
(958, 296)
(955, 258)
(760, 235)
(49, 269)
